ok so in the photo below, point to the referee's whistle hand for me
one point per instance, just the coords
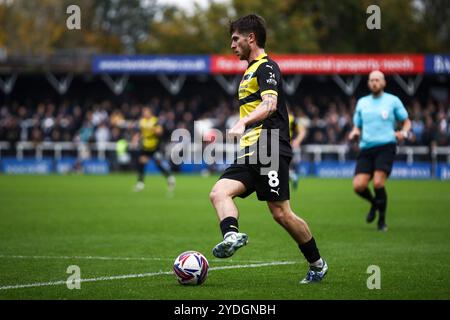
(400, 135)
(353, 135)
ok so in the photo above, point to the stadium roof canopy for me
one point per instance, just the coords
(179, 66)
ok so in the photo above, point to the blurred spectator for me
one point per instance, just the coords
(429, 131)
(102, 133)
(328, 119)
(36, 135)
(86, 132)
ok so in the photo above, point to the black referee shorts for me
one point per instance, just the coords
(377, 158)
(273, 186)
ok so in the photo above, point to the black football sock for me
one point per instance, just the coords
(229, 224)
(141, 172)
(310, 251)
(366, 194)
(381, 202)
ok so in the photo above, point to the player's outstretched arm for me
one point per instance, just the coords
(267, 106)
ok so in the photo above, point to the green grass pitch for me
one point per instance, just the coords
(126, 242)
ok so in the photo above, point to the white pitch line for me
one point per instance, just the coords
(141, 275)
(78, 257)
(111, 258)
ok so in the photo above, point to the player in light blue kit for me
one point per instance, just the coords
(375, 119)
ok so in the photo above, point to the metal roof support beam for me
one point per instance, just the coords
(229, 86)
(7, 85)
(290, 86)
(174, 87)
(116, 86)
(349, 86)
(411, 86)
(61, 86)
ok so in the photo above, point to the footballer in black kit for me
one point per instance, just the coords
(262, 77)
(262, 165)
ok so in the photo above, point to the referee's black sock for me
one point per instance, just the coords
(381, 202)
(310, 251)
(141, 171)
(229, 224)
(366, 194)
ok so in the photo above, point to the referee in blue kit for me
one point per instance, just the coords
(374, 122)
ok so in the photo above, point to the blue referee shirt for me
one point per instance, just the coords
(377, 118)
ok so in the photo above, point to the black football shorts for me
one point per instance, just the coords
(377, 158)
(272, 186)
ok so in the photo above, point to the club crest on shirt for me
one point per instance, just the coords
(384, 114)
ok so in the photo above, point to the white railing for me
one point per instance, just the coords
(410, 152)
(315, 151)
(59, 147)
(4, 146)
(441, 151)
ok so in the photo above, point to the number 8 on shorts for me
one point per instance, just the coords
(273, 179)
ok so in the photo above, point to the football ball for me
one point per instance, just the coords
(191, 267)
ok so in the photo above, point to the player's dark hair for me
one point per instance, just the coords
(251, 23)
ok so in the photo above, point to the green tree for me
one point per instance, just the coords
(31, 27)
(127, 20)
(206, 30)
(436, 16)
(176, 31)
(144, 26)
(39, 27)
(290, 27)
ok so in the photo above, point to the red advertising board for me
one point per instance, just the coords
(328, 64)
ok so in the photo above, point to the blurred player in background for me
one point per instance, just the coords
(262, 107)
(374, 122)
(297, 132)
(150, 134)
